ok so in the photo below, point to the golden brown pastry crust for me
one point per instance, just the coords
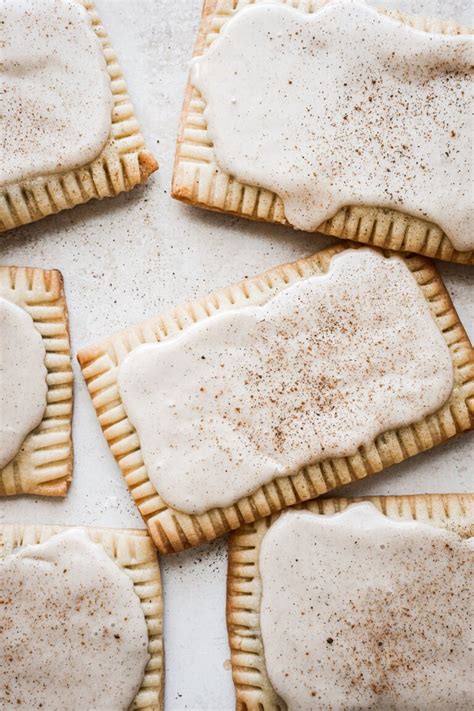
(198, 180)
(134, 553)
(123, 163)
(43, 466)
(172, 530)
(254, 691)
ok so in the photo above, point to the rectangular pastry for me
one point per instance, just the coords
(36, 379)
(93, 598)
(372, 610)
(381, 157)
(70, 129)
(280, 388)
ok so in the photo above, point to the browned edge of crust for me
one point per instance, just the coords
(174, 531)
(53, 282)
(356, 223)
(123, 163)
(144, 571)
(253, 688)
(148, 164)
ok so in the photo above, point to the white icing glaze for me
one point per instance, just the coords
(343, 107)
(23, 387)
(362, 612)
(56, 100)
(254, 393)
(72, 631)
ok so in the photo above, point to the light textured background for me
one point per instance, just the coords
(128, 258)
